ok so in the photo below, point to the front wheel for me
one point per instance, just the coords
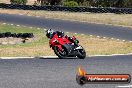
(81, 53)
(60, 53)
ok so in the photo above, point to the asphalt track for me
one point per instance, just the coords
(60, 73)
(124, 33)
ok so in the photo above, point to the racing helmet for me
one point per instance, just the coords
(60, 33)
(49, 33)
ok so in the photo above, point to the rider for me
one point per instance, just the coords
(50, 33)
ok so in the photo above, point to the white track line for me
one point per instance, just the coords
(110, 55)
(91, 35)
(4, 23)
(38, 28)
(31, 27)
(28, 15)
(57, 57)
(98, 36)
(47, 57)
(12, 24)
(15, 57)
(112, 38)
(75, 33)
(123, 40)
(45, 29)
(21, 14)
(37, 16)
(17, 25)
(126, 86)
(27, 57)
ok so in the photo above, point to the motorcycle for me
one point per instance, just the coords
(64, 48)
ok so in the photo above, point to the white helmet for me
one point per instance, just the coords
(49, 33)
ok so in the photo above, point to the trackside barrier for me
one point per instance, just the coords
(16, 35)
(71, 9)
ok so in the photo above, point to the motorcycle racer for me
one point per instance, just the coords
(50, 33)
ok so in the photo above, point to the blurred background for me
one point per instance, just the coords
(71, 3)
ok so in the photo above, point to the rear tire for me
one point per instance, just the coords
(81, 54)
(56, 51)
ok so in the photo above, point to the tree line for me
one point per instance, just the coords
(72, 3)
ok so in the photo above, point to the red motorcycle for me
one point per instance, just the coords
(64, 48)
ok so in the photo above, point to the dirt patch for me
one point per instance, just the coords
(11, 40)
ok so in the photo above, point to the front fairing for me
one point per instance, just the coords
(58, 41)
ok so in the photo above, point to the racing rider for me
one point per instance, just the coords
(50, 33)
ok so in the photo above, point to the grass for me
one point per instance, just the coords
(40, 47)
(102, 18)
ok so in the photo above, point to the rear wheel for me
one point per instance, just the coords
(81, 53)
(60, 53)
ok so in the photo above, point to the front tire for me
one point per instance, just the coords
(81, 54)
(58, 53)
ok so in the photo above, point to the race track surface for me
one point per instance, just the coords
(78, 27)
(59, 73)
